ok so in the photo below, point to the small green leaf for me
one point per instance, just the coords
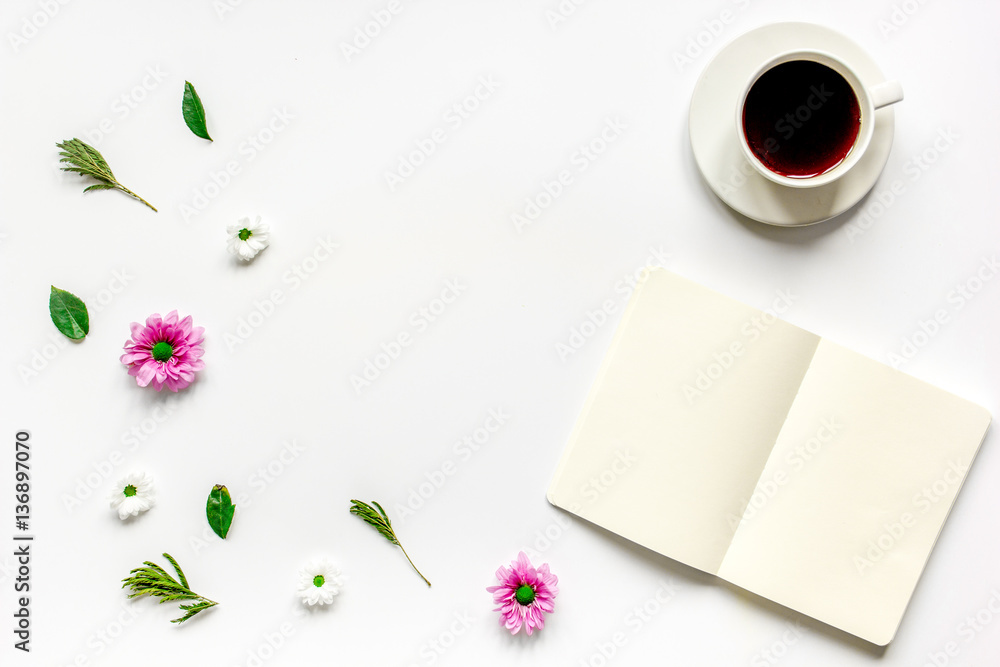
(69, 314)
(220, 509)
(194, 112)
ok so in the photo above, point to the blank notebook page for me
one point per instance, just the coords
(845, 537)
(696, 459)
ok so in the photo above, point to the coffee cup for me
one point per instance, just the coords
(805, 118)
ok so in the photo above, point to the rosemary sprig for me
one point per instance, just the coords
(154, 581)
(381, 522)
(87, 161)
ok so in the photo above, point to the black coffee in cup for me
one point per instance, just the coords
(801, 119)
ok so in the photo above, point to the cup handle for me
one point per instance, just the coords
(886, 93)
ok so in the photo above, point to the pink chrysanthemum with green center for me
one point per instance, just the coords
(525, 594)
(164, 352)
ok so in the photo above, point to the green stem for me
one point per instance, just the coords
(132, 194)
(414, 566)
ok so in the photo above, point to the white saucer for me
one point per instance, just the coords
(716, 146)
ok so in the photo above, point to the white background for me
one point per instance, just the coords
(323, 176)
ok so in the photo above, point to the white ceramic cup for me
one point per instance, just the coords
(869, 99)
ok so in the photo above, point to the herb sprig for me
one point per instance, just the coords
(154, 581)
(380, 520)
(87, 161)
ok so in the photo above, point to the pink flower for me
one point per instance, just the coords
(166, 351)
(525, 594)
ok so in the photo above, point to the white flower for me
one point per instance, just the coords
(246, 239)
(132, 494)
(319, 582)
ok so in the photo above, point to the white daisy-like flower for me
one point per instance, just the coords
(133, 494)
(246, 238)
(319, 582)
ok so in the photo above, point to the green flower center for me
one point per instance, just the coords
(524, 595)
(162, 351)
(318, 581)
(245, 234)
(130, 491)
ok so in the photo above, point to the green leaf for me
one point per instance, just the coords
(177, 569)
(220, 510)
(69, 314)
(194, 112)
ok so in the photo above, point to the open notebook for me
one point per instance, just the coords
(757, 451)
